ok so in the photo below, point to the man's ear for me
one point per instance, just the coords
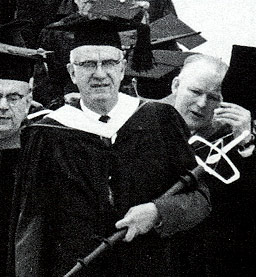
(175, 85)
(71, 71)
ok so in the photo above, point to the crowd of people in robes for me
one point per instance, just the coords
(82, 157)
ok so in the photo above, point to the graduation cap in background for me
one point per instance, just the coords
(170, 25)
(16, 61)
(239, 84)
(156, 82)
(106, 32)
(164, 32)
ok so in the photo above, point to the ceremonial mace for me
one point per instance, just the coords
(188, 180)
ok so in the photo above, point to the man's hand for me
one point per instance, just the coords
(139, 220)
(236, 116)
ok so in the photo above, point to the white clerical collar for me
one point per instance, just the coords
(88, 121)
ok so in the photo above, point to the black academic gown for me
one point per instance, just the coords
(8, 161)
(226, 239)
(74, 188)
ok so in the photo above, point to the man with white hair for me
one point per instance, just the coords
(107, 164)
(196, 94)
(225, 239)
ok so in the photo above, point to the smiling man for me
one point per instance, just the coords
(108, 163)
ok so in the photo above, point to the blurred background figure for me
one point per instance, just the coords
(157, 8)
(40, 12)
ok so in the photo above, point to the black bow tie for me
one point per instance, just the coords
(104, 118)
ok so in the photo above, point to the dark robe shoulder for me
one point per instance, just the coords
(73, 188)
(8, 160)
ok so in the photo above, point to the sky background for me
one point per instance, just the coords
(222, 23)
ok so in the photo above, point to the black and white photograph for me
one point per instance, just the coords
(127, 138)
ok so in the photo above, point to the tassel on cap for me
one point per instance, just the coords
(142, 55)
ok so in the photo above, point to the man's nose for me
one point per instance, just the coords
(202, 100)
(4, 104)
(99, 72)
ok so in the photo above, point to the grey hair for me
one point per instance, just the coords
(215, 64)
(72, 54)
(218, 65)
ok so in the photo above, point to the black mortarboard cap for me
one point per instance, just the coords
(156, 82)
(239, 84)
(170, 25)
(18, 62)
(128, 39)
(15, 67)
(106, 32)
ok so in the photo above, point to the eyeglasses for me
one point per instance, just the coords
(12, 99)
(93, 65)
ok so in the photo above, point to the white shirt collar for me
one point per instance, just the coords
(122, 107)
(88, 121)
(89, 113)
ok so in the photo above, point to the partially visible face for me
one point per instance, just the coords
(197, 93)
(98, 72)
(15, 101)
(84, 6)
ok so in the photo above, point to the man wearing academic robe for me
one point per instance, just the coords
(15, 100)
(15, 103)
(223, 245)
(107, 164)
(51, 86)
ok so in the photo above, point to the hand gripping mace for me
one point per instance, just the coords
(189, 180)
